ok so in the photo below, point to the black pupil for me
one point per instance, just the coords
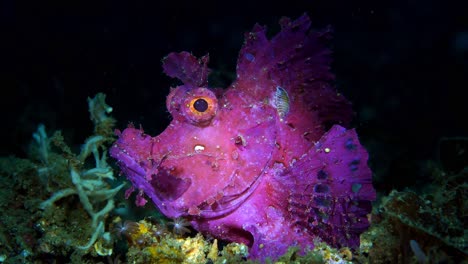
(200, 105)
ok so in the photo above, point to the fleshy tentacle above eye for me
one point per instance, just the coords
(187, 68)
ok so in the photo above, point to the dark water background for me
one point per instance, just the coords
(403, 64)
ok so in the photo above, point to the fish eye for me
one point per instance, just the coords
(201, 105)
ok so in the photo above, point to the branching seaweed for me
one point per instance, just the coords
(90, 184)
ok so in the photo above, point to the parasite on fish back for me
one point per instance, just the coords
(281, 102)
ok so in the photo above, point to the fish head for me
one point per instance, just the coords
(208, 160)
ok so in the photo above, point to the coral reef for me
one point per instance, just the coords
(151, 242)
(20, 197)
(408, 226)
(60, 224)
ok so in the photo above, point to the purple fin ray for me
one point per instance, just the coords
(298, 60)
(332, 188)
(187, 68)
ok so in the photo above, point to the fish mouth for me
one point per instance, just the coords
(230, 203)
(178, 195)
(167, 190)
(173, 193)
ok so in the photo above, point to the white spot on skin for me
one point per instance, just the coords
(199, 148)
(327, 150)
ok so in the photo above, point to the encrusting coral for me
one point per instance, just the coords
(151, 242)
(408, 227)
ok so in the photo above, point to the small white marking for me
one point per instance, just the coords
(199, 148)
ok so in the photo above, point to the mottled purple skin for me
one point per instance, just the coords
(244, 171)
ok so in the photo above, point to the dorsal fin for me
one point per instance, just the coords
(296, 59)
